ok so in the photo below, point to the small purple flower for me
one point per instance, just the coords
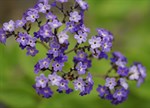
(105, 34)
(95, 42)
(84, 29)
(32, 15)
(110, 83)
(10, 26)
(20, 23)
(63, 85)
(2, 36)
(70, 26)
(89, 78)
(55, 24)
(32, 51)
(120, 94)
(54, 79)
(123, 71)
(62, 1)
(46, 92)
(79, 84)
(81, 56)
(43, 7)
(102, 90)
(22, 39)
(134, 73)
(62, 36)
(44, 63)
(54, 49)
(81, 68)
(31, 41)
(82, 4)
(57, 66)
(75, 17)
(61, 58)
(41, 81)
(106, 45)
(45, 31)
(50, 16)
(37, 68)
(81, 37)
(123, 83)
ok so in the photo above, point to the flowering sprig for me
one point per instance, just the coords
(54, 34)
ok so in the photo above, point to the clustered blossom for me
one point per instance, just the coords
(54, 34)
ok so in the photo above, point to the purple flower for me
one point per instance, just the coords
(32, 51)
(120, 94)
(45, 31)
(70, 26)
(31, 41)
(84, 29)
(89, 78)
(43, 7)
(10, 26)
(41, 81)
(81, 68)
(57, 66)
(106, 45)
(81, 37)
(54, 79)
(95, 42)
(105, 34)
(2, 36)
(81, 56)
(20, 23)
(119, 59)
(102, 90)
(22, 39)
(123, 71)
(74, 16)
(123, 83)
(46, 92)
(82, 4)
(50, 16)
(54, 49)
(37, 68)
(62, 36)
(44, 63)
(61, 58)
(32, 15)
(110, 83)
(63, 85)
(79, 84)
(55, 24)
(62, 1)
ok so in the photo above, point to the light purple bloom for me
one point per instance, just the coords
(54, 79)
(46, 92)
(57, 66)
(89, 78)
(79, 84)
(41, 81)
(82, 4)
(31, 41)
(2, 36)
(110, 83)
(10, 26)
(81, 37)
(95, 42)
(45, 31)
(63, 85)
(50, 16)
(81, 68)
(22, 39)
(74, 16)
(123, 83)
(62, 36)
(43, 7)
(55, 24)
(20, 23)
(44, 63)
(54, 49)
(123, 71)
(32, 51)
(32, 15)
(102, 90)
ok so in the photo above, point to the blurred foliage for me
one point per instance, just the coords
(128, 20)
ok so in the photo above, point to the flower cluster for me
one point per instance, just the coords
(54, 33)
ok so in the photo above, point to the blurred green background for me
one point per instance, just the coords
(128, 20)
